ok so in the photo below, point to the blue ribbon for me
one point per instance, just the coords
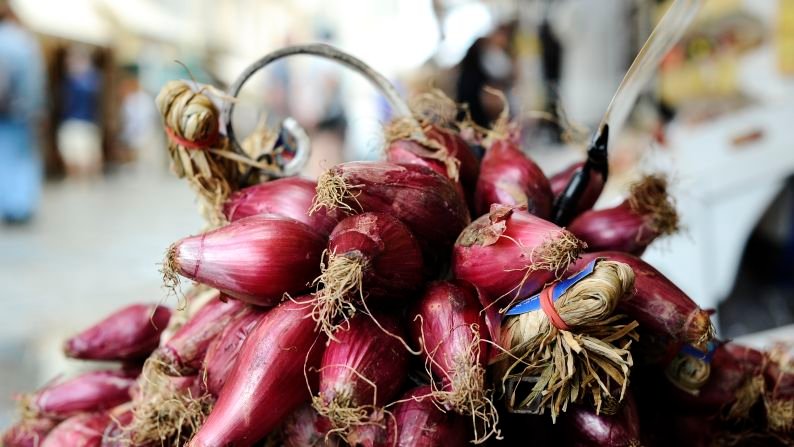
(532, 303)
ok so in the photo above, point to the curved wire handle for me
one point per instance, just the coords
(290, 128)
(666, 33)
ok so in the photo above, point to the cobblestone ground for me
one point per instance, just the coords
(93, 247)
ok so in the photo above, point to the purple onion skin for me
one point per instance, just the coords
(268, 382)
(419, 423)
(129, 334)
(584, 428)
(286, 197)
(448, 311)
(256, 259)
(363, 350)
(223, 351)
(618, 229)
(509, 177)
(89, 392)
(28, 433)
(184, 352)
(82, 430)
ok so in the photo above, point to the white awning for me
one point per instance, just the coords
(73, 19)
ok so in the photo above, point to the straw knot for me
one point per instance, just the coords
(190, 117)
(592, 358)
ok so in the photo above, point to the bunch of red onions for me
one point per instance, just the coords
(366, 309)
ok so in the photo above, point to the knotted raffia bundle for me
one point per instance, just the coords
(195, 145)
(574, 347)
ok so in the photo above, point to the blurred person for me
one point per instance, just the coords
(79, 135)
(487, 64)
(140, 134)
(21, 100)
(596, 45)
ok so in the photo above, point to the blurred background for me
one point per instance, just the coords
(89, 206)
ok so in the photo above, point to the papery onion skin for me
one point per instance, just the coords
(509, 177)
(28, 432)
(591, 193)
(584, 428)
(425, 201)
(658, 305)
(256, 259)
(184, 352)
(131, 333)
(510, 254)
(443, 319)
(360, 353)
(222, 354)
(268, 382)
(287, 197)
(305, 428)
(88, 392)
(81, 430)
(419, 423)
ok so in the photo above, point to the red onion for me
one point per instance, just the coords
(183, 354)
(592, 191)
(451, 328)
(362, 369)
(511, 253)
(82, 430)
(131, 333)
(305, 428)
(91, 391)
(443, 151)
(509, 177)
(658, 305)
(420, 423)
(426, 202)
(370, 255)
(584, 428)
(257, 259)
(648, 213)
(286, 197)
(28, 432)
(222, 353)
(735, 383)
(268, 382)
